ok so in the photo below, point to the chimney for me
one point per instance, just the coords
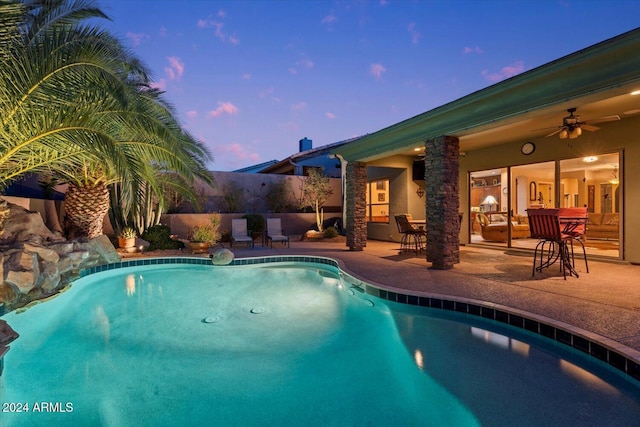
(305, 144)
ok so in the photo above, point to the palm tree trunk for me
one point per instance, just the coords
(85, 208)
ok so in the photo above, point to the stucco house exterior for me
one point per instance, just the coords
(565, 134)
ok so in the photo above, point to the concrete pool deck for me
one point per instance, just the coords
(604, 302)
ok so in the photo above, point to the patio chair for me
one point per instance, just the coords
(275, 232)
(411, 236)
(545, 226)
(574, 221)
(239, 232)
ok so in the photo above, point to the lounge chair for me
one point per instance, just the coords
(239, 232)
(275, 232)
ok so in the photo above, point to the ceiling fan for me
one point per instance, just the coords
(572, 126)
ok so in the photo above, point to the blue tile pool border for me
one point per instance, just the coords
(577, 341)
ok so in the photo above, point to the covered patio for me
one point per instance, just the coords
(519, 137)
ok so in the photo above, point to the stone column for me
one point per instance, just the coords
(442, 201)
(356, 206)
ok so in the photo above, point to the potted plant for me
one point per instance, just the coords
(202, 237)
(127, 238)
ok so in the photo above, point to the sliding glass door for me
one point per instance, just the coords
(500, 198)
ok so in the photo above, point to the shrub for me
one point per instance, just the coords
(232, 197)
(208, 232)
(278, 196)
(255, 222)
(159, 237)
(330, 232)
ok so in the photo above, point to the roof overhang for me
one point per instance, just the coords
(597, 80)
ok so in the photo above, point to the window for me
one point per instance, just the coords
(378, 201)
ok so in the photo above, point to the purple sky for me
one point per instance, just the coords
(251, 78)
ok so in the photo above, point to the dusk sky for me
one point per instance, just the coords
(251, 78)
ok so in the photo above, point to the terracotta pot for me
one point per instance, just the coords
(199, 247)
(126, 242)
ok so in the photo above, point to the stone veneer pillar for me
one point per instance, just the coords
(356, 205)
(442, 201)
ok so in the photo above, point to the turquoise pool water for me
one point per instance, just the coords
(285, 345)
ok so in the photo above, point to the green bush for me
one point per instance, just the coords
(330, 232)
(255, 222)
(159, 237)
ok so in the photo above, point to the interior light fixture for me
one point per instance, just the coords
(489, 200)
(575, 132)
(564, 134)
(635, 92)
(590, 159)
(614, 176)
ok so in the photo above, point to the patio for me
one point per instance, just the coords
(604, 302)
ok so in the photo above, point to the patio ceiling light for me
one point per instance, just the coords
(590, 159)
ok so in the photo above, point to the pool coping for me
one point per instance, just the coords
(617, 355)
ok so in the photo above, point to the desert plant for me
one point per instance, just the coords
(127, 233)
(208, 232)
(278, 196)
(232, 197)
(315, 192)
(330, 232)
(255, 222)
(159, 237)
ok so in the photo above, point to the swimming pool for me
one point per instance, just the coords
(286, 344)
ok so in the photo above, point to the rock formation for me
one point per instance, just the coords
(36, 263)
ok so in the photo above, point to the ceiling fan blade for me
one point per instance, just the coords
(554, 132)
(590, 128)
(613, 118)
(546, 128)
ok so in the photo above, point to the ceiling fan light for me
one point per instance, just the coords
(564, 134)
(578, 131)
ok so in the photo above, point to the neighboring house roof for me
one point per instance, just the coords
(256, 168)
(305, 155)
(28, 187)
(597, 80)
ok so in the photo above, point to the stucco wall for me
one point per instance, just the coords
(293, 224)
(254, 188)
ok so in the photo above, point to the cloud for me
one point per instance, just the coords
(137, 38)
(160, 85)
(300, 106)
(303, 63)
(377, 70)
(246, 76)
(329, 19)
(266, 92)
(163, 31)
(192, 114)
(415, 34)
(238, 151)
(175, 69)
(218, 26)
(506, 72)
(330, 115)
(476, 49)
(223, 108)
(306, 63)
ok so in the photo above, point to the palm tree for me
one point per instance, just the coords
(76, 103)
